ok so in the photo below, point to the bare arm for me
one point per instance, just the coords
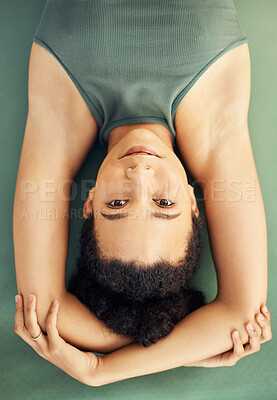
(52, 154)
(223, 164)
(237, 229)
(238, 239)
(202, 334)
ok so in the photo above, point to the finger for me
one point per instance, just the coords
(51, 327)
(266, 328)
(231, 357)
(238, 350)
(265, 311)
(254, 340)
(18, 317)
(31, 320)
(19, 327)
(33, 327)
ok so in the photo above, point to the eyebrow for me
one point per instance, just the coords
(155, 214)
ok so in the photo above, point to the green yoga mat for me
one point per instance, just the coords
(26, 376)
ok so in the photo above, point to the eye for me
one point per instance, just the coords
(117, 203)
(164, 202)
(121, 203)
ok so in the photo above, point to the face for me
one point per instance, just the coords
(142, 203)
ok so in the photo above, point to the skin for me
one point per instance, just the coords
(79, 365)
(143, 180)
(213, 140)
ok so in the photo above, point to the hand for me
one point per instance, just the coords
(231, 357)
(78, 364)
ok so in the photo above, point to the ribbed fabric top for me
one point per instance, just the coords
(134, 60)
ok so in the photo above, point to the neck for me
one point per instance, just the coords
(158, 130)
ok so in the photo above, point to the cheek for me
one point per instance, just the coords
(174, 184)
(111, 186)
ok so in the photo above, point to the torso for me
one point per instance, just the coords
(139, 68)
(203, 109)
(198, 111)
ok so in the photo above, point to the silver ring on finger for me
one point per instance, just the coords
(36, 338)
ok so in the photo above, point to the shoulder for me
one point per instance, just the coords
(57, 119)
(222, 90)
(51, 89)
(211, 114)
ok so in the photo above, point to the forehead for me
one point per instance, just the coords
(143, 239)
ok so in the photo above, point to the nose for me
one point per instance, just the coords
(141, 176)
(140, 170)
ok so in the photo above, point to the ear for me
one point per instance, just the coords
(88, 210)
(194, 206)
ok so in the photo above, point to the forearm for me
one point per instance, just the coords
(203, 333)
(78, 326)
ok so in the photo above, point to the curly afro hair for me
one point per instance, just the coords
(145, 302)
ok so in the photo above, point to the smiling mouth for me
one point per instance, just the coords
(142, 153)
(142, 150)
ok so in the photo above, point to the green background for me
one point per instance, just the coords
(23, 374)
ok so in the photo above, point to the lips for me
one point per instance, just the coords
(140, 150)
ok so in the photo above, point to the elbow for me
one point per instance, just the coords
(42, 314)
(241, 314)
(262, 327)
(43, 305)
(250, 315)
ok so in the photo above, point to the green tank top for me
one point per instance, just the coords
(133, 61)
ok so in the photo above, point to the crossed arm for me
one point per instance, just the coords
(242, 280)
(237, 233)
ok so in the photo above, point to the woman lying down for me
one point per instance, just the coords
(131, 297)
